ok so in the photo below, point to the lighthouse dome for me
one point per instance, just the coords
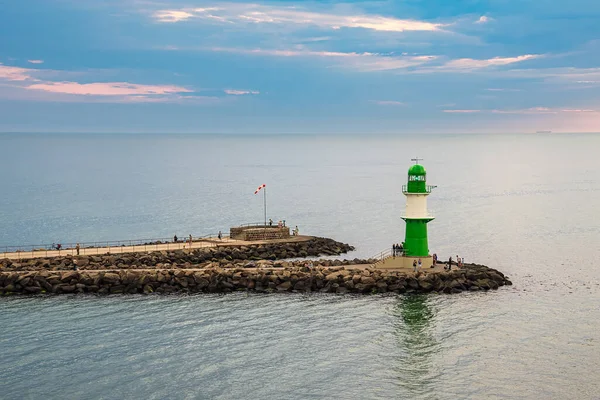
(416, 169)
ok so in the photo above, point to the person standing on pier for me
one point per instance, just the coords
(77, 248)
(220, 235)
(175, 239)
(190, 241)
(270, 222)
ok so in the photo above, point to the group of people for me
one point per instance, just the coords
(398, 250)
(459, 263)
(417, 265)
(58, 246)
(280, 223)
(188, 241)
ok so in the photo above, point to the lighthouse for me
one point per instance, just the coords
(416, 215)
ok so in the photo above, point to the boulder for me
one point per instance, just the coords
(285, 286)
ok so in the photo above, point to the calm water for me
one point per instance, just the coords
(528, 205)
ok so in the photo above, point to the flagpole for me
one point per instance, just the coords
(265, 203)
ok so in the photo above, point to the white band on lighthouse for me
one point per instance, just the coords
(416, 206)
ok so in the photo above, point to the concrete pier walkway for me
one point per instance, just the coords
(180, 245)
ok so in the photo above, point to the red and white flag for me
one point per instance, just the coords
(259, 188)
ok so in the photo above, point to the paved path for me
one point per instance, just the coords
(208, 242)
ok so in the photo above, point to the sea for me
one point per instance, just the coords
(527, 205)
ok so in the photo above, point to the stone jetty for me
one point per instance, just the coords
(270, 267)
(293, 278)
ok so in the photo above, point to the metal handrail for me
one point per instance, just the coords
(70, 248)
(258, 225)
(383, 254)
(428, 189)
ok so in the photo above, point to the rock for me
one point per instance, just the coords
(367, 280)
(68, 276)
(332, 277)
(111, 278)
(67, 288)
(284, 286)
(362, 287)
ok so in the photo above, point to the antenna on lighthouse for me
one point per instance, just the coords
(416, 160)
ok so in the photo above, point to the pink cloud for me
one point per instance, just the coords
(107, 88)
(35, 61)
(14, 73)
(23, 80)
(461, 111)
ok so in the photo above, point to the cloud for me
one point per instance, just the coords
(483, 19)
(263, 14)
(289, 53)
(386, 61)
(502, 90)
(107, 88)
(360, 61)
(35, 61)
(172, 15)
(240, 92)
(470, 63)
(14, 73)
(23, 79)
(528, 111)
(388, 103)
(533, 110)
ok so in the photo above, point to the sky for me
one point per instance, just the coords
(383, 67)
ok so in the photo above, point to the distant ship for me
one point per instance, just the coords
(543, 131)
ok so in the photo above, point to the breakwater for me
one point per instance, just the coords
(294, 278)
(271, 267)
(225, 256)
